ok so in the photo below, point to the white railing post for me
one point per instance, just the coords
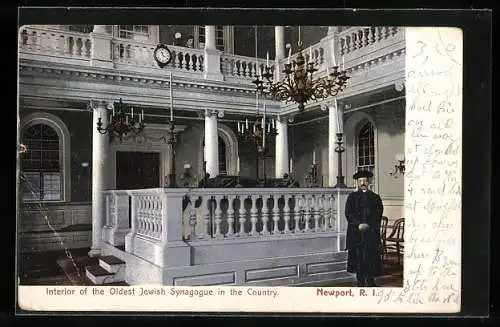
(101, 53)
(120, 225)
(173, 250)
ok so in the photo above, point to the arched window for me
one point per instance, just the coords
(365, 152)
(222, 157)
(41, 165)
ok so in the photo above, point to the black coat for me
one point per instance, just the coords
(363, 247)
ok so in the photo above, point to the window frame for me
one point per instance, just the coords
(227, 37)
(64, 153)
(371, 167)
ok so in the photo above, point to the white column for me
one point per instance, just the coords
(279, 42)
(281, 147)
(211, 143)
(100, 150)
(212, 56)
(335, 125)
(210, 37)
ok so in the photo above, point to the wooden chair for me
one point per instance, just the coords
(383, 236)
(395, 241)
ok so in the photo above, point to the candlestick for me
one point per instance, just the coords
(339, 127)
(171, 99)
(333, 53)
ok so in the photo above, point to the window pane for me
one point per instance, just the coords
(51, 186)
(31, 183)
(41, 163)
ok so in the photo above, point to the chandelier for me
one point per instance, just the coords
(298, 84)
(257, 132)
(260, 130)
(121, 123)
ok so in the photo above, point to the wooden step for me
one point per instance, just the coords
(98, 271)
(111, 260)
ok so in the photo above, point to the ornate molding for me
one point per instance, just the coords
(198, 84)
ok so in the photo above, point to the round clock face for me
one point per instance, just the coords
(162, 55)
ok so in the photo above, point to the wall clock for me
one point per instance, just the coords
(162, 55)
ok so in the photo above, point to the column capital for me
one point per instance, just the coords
(216, 113)
(100, 104)
(282, 119)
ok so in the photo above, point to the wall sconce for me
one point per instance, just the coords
(399, 168)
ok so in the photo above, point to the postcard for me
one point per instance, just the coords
(241, 168)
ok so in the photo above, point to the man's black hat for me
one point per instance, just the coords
(362, 174)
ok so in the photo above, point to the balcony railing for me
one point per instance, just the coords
(161, 217)
(353, 43)
(58, 43)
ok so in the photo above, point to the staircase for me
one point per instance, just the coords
(109, 270)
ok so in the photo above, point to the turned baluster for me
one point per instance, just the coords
(265, 215)
(286, 213)
(242, 216)
(307, 213)
(230, 215)
(316, 212)
(276, 214)
(254, 215)
(218, 216)
(333, 210)
(298, 214)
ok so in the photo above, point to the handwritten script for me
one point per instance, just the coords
(433, 147)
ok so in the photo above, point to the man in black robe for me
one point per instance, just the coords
(364, 211)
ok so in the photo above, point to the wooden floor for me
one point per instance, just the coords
(61, 268)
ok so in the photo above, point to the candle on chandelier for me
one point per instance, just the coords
(314, 157)
(132, 113)
(291, 164)
(310, 54)
(267, 59)
(246, 123)
(113, 110)
(269, 128)
(239, 128)
(142, 114)
(238, 165)
(254, 129)
(126, 119)
(289, 54)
